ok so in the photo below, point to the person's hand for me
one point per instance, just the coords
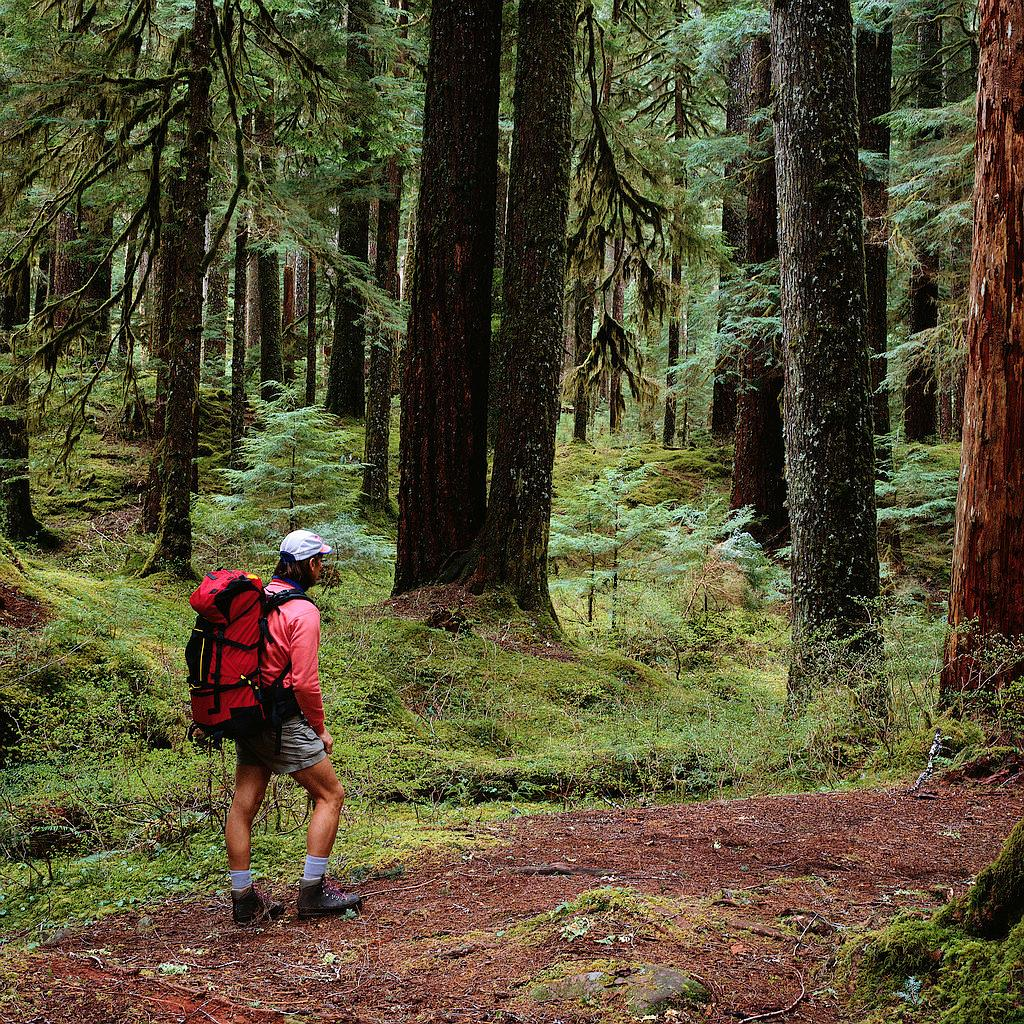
(327, 740)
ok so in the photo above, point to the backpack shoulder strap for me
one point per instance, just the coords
(280, 597)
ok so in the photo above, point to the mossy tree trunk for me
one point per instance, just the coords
(995, 903)
(734, 235)
(759, 467)
(987, 593)
(513, 548)
(828, 402)
(443, 491)
(188, 204)
(920, 406)
(382, 352)
(18, 520)
(874, 100)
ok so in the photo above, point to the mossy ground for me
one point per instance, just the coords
(103, 802)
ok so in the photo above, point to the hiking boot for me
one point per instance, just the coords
(321, 898)
(250, 906)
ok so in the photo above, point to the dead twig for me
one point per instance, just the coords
(786, 1009)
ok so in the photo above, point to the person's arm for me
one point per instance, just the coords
(305, 653)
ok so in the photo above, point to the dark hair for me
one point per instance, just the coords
(298, 572)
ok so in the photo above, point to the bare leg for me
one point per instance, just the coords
(321, 783)
(250, 787)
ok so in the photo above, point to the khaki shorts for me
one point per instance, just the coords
(300, 748)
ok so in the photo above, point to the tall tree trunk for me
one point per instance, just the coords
(443, 492)
(125, 335)
(987, 596)
(288, 319)
(668, 435)
(97, 271)
(759, 471)
(238, 332)
(346, 374)
(164, 291)
(382, 352)
(583, 332)
(311, 341)
(513, 549)
(268, 267)
(18, 520)
(874, 100)
(345, 387)
(215, 336)
(828, 402)
(616, 402)
(188, 204)
(734, 235)
(494, 384)
(920, 414)
(301, 285)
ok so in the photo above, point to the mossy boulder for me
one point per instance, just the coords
(643, 990)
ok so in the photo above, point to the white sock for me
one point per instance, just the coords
(316, 868)
(240, 880)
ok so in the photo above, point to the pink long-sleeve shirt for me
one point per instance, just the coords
(295, 630)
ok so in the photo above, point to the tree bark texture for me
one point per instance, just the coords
(382, 352)
(828, 401)
(347, 370)
(18, 520)
(345, 382)
(616, 401)
(874, 101)
(920, 407)
(238, 332)
(759, 467)
(734, 235)
(583, 331)
(311, 340)
(215, 336)
(268, 267)
(513, 548)
(188, 202)
(988, 557)
(443, 490)
(668, 433)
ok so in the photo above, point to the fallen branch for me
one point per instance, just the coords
(786, 1009)
(930, 769)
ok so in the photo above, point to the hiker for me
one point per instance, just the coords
(295, 741)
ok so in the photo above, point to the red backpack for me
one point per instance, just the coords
(230, 699)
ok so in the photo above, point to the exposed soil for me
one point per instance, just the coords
(753, 897)
(19, 611)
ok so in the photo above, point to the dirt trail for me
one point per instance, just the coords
(750, 897)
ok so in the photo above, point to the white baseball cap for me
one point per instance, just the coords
(302, 544)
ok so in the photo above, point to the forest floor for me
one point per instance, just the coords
(752, 898)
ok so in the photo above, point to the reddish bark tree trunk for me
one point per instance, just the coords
(988, 557)
(443, 491)
(759, 467)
